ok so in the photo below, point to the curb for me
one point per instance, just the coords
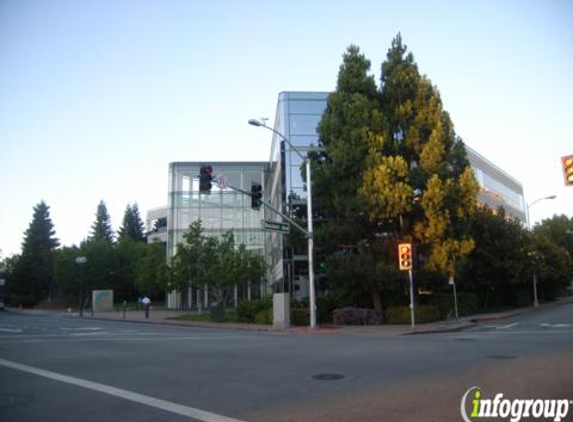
(462, 327)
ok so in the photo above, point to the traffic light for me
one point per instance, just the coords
(256, 196)
(205, 177)
(567, 163)
(405, 256)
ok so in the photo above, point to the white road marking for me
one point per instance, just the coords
(56, 338)
(556, 325)
(10, 330)
(505, 327)
(80, 328)
(168, 406)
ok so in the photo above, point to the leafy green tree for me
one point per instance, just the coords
(218, 263)
(499, 268)
(34, 272)
(101, 228)
(553, 254)
(151, 271)
(352, 110)
(132, 227)
(100, 270)
(558, 229)
(127, 254)
(418, 178)
(66, 272)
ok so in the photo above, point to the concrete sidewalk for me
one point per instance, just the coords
(164, 316)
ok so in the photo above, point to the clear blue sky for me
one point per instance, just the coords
(97, 97)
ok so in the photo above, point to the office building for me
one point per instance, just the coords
(223, 210)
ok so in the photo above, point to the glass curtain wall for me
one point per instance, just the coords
(297, 118)
(221, 211)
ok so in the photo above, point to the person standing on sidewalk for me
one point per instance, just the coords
(146, 302)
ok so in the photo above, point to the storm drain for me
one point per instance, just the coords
(501, 357)
(328, 377)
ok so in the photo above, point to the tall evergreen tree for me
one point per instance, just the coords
(352, 110)
(101, 228)
(35, 270)
(418, 178)
(132, 227)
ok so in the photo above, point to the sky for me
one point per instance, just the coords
(97, 97)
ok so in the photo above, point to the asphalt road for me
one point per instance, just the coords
(57, 368)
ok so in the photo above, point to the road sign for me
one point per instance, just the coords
(222, 181)
(275, 226)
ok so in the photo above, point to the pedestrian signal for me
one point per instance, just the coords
(405, 256)
(567, 163)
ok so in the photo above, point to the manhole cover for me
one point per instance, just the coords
(328, 377)
(465, 339)
(501, 357)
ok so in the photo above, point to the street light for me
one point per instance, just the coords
(309, 233)
(81, 260)
(535, 301)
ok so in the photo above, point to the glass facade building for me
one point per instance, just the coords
(297, 117)
(497, 188)
(220, 211)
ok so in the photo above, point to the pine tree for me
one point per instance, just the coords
(132, 227)
(418, 179)
(101, 228)
(35, 271)
(352, 110)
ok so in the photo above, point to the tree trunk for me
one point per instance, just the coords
(376, 299)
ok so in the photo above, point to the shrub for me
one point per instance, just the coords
(217, 312)
(401, 314)
(468, 303)
(264, 317)
(356, 316)
(248, 310)
(27, 300)
(300, 316)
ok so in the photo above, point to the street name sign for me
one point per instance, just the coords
(275, 226)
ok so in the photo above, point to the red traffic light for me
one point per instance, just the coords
(205, 178)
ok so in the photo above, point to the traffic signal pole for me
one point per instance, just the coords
(412, 315)
(269, 206)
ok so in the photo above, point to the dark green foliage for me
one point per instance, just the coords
(468, 304)
(248, 310)
(202, 259)
(33, 273)
(151, 270)
(101, 228)
(132, 227)
(264, 317)
(401, 314)
(217, 312)
(337, 170)
(300, 316)
(66, 272)
(500, 262)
